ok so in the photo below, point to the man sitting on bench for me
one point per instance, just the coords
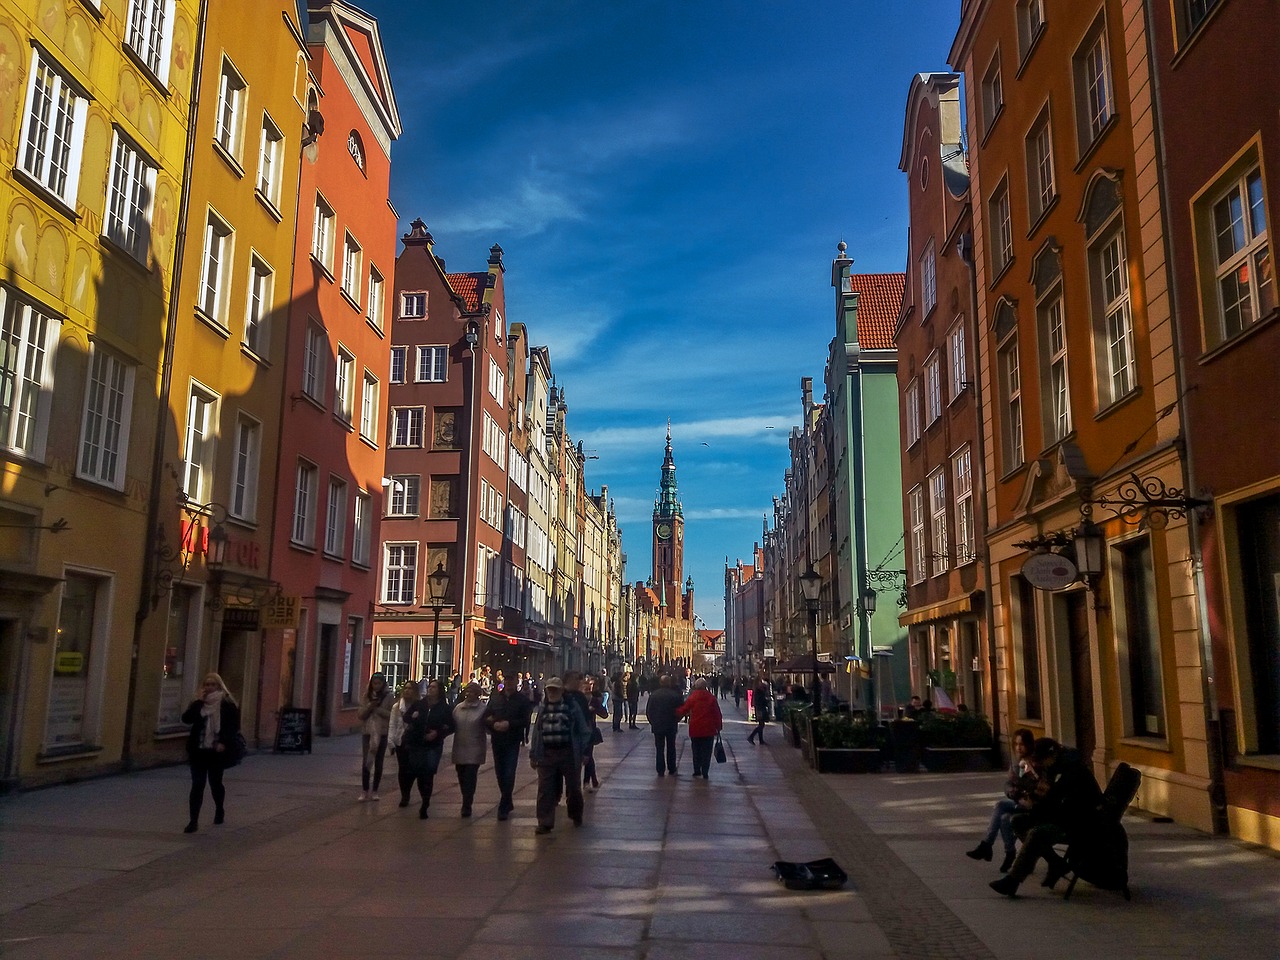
(1067, 807)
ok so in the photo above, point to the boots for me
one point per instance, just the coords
(1006, 885)
(981, 852)
(1007, 862)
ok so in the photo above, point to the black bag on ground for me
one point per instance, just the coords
(824, 874)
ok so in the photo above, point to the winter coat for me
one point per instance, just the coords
(422, 718)
(375, 711)
(705, 719)
(229, 725)
(513, 707)
(661, 710)
(469, 731)
(395, 725)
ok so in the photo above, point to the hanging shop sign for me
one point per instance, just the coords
(1050, 571)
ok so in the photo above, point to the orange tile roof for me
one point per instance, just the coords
(467, 286)
(879, 303)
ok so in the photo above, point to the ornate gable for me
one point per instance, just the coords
(1049, 480)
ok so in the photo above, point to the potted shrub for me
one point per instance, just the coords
(957, 742)
(843, 743)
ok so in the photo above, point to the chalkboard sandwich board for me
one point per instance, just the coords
(293, 734)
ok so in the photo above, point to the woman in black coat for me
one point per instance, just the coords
(426, 724)
(213, 741)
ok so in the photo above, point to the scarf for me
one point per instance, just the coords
(211, 710)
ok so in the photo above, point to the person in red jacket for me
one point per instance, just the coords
(705, 721)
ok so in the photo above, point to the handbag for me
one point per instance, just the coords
(235, 751)
(596, 736)
(719, 751)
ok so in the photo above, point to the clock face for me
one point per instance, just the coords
(664, 531)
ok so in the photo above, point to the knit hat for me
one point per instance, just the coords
(554, 682)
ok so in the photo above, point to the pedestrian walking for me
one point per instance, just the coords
(395, 736)
(596, 711)
(705, 721)
(632, 684)
(508, 721)
(761, 702)
(661, 714)
(559, 737)
(426, 725)
(375, 714)
(469, 742)
(213, 744)
(738, 691)
(618, 687)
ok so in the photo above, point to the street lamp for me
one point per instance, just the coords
(438, 585)
(811, 586)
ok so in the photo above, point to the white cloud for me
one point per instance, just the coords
(535, 204)
(750, 428)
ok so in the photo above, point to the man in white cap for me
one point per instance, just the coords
(560, 735)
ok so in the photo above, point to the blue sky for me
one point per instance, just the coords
(668, 181)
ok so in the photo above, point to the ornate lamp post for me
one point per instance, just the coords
(811, 586)
(438, 585)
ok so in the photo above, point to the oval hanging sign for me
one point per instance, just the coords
(1049, 571)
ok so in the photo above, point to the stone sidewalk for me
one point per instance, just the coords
(662, 868)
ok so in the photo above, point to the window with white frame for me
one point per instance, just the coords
(1095, 103)
(1237, 234)
(928, 281)
(1056, 405)
(150, 26)
(405, 493)
(244, 470)
(938, 521)
(497, 381)
(1041, 188)
(104, 434)
(343, 386)
(992, 94)
(494, 441)
(199, 444)
(962, 477)
(1001, 228)
(130, 190)
(315, 349)
(1009, 380)
(322, 233)
(933, 387)
(270, 154)
(398, 355)
(912, 401)
(406, 426)
(1113, 319)
(257, 312)
(215, 274)
(305, 481)
(335, 518)
(959, 358)
(52, 129)
(433, 365)
(393, 660)
(369, 408)
(351, 267)
(377, 295)
(361, 530)
(229, 119)
(400, 572)
(1030, 24)
(915, 506)
(413, 306)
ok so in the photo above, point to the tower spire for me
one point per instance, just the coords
(668, 504)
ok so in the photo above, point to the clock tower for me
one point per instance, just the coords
(668, 536)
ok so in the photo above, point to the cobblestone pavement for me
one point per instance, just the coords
(663, 868)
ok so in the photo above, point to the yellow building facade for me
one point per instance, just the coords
(94, 108)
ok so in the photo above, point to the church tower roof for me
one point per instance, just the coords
(668, 502)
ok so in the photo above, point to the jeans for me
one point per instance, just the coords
(761, 720)
(558, 770)
(589, 765)
(206, 765)
(425, 763)
(1002, 823)
(665, 744)
(633, 708)
(375, 761)
(468, 774)
(506, 759)
(702, 747)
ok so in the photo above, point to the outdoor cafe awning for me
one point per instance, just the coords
(513, 640)
(803, 664)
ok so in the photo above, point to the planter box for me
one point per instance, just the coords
(845, 760)
(957, 759)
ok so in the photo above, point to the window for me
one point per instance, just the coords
(1093, 93)
(335, 519)
(437, 655)
(1192, 13)
(149, 29)
(1011, 401)
(322, 234)
(214, 277)
(1027, 651)
(494, 441)
(131, 186)
(933, 387)
(303, 532)
(443, 504)
(959, 359)
(1030, 24)
(398, 364)
(406, 426)
(1244, 276)
(104, 436)
(1113, 322)
(400, 572)
(27, 344)
(915, 504)
(913, 412)
(1041, 189)
(376, 292)
(1139, 642)
(352, 676)
(351, 268)
(1056, 403)
(1001, 228)
(497, 381)
(992, 94)
(938, 521)
(198, 446)
(1257, 646)
(52, 130)
(369, 408)
(343, 388)
(432, 364)
(270, 151)
(413, 306)
(75, 688)
(180, 651)
(228, 120)
(314, 351)
(403, 501)
(962, 477)
(360, 532)
(393, 660)
(257, 332)
(928, 281)
(244, 476)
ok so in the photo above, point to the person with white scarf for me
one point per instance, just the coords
(375, 714)
(215, 728)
